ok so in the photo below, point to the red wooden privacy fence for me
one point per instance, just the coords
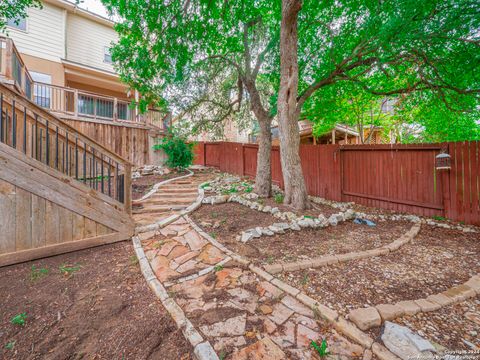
(397, 177)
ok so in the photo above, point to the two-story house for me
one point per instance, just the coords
(59, 56)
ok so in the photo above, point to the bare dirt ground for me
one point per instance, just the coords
(90, 304)
(436, 260)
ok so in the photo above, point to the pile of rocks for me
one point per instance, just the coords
(150, 170)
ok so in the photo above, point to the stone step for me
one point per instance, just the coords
(190, 194)
(168, 201)
(158, 209)
(176, 191)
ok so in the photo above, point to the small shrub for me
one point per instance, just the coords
(179, 152)
(218, 268)
(320, 349)
(37, 273)
(248, 189)
(438, 218)
(69, 270)
(279, 198)
(19, 319)
(10, 345)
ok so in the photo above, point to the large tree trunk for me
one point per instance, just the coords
(288, 113)
(263, 178)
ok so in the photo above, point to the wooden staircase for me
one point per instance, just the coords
(60, 190)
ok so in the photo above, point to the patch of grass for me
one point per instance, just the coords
(438, 218)
(19, 319)
(320, 349)
(203, 186)
(213, 235)
(279, 198)
(222, 355)
(218, 268)
(69, 270)
(158, 244)
(133, 260)
(214, 215)
(270, 260)
(305, 280)
(308, 217)
(10, 345)
(261, 201)
(37, 273)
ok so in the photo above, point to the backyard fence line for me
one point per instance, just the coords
(397, 177)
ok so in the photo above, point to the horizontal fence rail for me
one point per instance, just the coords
(45, 138)
(402, 178)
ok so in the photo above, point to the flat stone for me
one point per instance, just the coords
(225, 342)
(186, 257)
(365, 318)
(440, 299)
(270, 326)
(297, 306)
(342, 347)
(426, 305)
(409, 307)
(204, 351)
(231, 327)
(280, 313)
(382, 353)
(322, 310)
(404, 343)
(285, 336)
(187, 266)
(265, 309)
(460, 292)
(274, 268)
(286, 287)
(389, 311)
(195, 241)
(351, 331)
(178, 251)
(305, 336)
(264, 288)
(264, 349)
(210, 255)
(167, 248)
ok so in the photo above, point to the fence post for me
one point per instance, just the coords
(445, 179)
(128, 188)
(204, 153)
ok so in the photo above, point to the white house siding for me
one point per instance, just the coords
(45, 35)
(86, 40)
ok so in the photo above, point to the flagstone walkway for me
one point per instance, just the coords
(219, 299)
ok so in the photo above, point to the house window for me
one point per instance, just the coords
(42, 92)
(107, 56)
(19, 23)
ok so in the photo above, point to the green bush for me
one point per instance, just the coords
(179, 152)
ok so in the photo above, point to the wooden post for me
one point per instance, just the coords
(333, 136)
(115, 109)
(128, 188)
(75, 102)
(9, 60)
(445, 179)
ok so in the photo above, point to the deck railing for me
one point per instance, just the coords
(65, 101)
(44, 137)
(13, 68)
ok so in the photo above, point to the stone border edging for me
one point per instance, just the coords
(202, 348)
(157, 185)
(372, 316)
(333, 259)
(339, 323)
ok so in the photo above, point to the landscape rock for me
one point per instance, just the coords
(365, 318)
(406, 344)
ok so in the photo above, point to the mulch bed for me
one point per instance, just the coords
(449, 327)
(143, 184)
(436, 260)
(102, 310)
(226, 221)
(311, 243)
